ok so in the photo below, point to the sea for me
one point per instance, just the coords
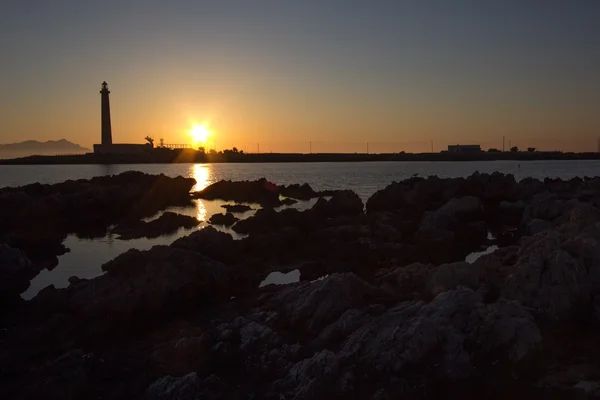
(86, 256)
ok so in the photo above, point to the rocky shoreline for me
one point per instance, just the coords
(386, 305)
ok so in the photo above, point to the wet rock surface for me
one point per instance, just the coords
(227, 219)
(236, 208)
(260, 192)
(168, 222)
(386, 306)
(15, 273)
(83, 207)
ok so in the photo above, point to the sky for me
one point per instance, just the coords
(297, 75)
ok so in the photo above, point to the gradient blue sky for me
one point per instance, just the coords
(338, 73)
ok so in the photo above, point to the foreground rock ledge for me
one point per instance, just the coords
(385, 307)
(37, 218)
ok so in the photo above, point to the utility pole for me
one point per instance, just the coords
(432, 145)
(257, 148)
(503, 140)
(309, 147)
(367, 147)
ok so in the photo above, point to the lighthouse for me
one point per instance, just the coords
(106, 147)
(105, 104)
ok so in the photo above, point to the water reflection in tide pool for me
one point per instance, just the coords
(86, 259)
(87, 256)
(281, 278)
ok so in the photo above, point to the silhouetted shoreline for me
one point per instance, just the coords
(455, 285)
(164, 156)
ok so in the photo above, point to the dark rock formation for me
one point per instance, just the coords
(298, 192)
(288, 202)
(343, 203)
(15, 273)
(442, 224)
(260, 192)
(386, 306)
(210, 242)
(141, 288)
(83, 207)
(172, 388)
(168, 222)
(223, 219)
(236, 208)
(268, 220)
(304, 192)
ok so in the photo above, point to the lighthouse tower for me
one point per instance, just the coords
(107, 147)
(106, 129)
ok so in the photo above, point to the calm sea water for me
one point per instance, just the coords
(87, 256)
(364, 178)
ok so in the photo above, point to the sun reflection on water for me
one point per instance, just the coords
(200, 210)
(202, 174)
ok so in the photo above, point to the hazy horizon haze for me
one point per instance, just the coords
(396, 74)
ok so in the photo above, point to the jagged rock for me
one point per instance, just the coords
(260, 191)
(546, 206)
(549, 278)
(450, 276)
(223, 219)
(420, 194)
(288, 202)
(173, 388)
(182, 354)
(210, 242)
(310, 306)
(535, 226)
(308, 377)
(342, 203)
(406, 282)
(298, 192)
(15, 273)
(236, 208)
(529, 187)
(510, 207)
(167, 223)
(254, 335)
(389, 328)
(568, 377)
(507, 326)
(345, 202)
(83, 207)
(66, 377)
(451, 222)
(268, 220)
(497, 187)
(508, 213)
(455, 330)
(141, 287)
(337, 331)
(417, 194)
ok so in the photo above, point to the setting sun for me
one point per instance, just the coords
(200, 134)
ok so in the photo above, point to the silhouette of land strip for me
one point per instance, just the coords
(49, 148)
(167, 156)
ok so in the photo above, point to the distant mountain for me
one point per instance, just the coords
(33, 147)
